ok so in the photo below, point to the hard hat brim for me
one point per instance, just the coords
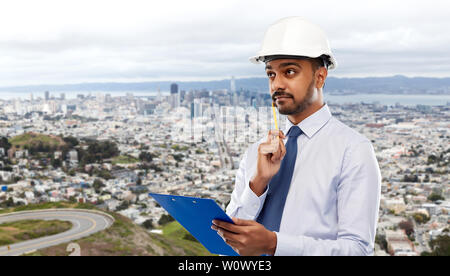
(260, 59)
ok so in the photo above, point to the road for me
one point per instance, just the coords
(219, 136)
(85, 223)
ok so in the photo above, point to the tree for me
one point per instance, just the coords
(410, 178)
(432, 159)
(97, 151)
(435, 197)
(4, 143)
(71, 141)
(56, 163)
(381, 241)
(420, 218)
(440, 246)
(148, 224)
(187, 236)
(146, 157)
(165, 219)
(98, 184)
(123, 206)
(408, 226)
(178, 157)
(7, 203)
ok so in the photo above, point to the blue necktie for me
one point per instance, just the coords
(270, 215)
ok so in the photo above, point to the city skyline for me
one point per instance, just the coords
(84, 41)
(109, 151)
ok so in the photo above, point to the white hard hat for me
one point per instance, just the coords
(295, 36)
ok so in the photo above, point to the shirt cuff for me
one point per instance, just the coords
(287, 245)
(251, 203)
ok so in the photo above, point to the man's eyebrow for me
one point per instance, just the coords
(286, 64)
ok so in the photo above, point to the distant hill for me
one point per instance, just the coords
(33, 139)
(389, 85)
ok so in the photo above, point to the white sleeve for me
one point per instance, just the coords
(245, 204)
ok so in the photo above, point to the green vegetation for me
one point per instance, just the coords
(420, 218)
(18, 231)
(98, 184)
(97, 151)
(124, 159)
(440, 159)
(4, 143)
(178, 157)
(408, 227)
(181, 237)
(440, 246)
(435, 197)
(146, 157)
(148, 224)
(180, 148)
(381, 241)
(165, 219)
(410, 178)
(35, 142)
(105, 174)
(47, 205)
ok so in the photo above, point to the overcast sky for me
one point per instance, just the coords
(61, 41)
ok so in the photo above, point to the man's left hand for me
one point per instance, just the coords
(247, 237)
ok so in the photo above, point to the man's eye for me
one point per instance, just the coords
(270, 74)
(290, 72)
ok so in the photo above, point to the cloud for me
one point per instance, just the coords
(74, 41)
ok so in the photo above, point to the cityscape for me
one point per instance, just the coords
(111, 151)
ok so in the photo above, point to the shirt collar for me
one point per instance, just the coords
(313, 123)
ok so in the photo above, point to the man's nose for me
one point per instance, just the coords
(277, 84)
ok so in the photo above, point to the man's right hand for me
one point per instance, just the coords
(268, 164)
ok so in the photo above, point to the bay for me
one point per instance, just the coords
(389, 99)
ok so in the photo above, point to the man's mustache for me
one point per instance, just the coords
(280, 94)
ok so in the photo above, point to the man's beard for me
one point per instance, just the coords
(298, 107)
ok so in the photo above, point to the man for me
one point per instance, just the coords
(318, 194)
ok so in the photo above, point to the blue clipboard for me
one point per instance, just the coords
(196, 215)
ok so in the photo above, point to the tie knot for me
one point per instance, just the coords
(295, 131)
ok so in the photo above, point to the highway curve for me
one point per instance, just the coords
(85, 223)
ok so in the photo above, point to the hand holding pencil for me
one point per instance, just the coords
(270, 155)
(273, 138)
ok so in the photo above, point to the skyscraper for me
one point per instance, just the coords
(47, 95)
(233, 85)
(174, 96)
(173, 88)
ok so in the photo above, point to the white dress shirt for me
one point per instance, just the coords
(333, 200)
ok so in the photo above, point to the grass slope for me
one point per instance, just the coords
(31, 138)
(23, 230)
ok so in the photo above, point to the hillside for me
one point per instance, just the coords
(124, 238)
(23, 230)
(389, 85)
(30, 139)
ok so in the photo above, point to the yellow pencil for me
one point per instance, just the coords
(275, 116)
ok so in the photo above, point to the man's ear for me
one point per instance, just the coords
(321, 75)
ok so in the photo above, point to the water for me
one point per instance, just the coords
(389, 99)
(384, 99)
(73, 94)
